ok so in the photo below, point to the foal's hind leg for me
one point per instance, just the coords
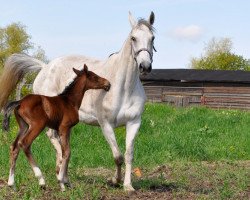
(14, 149)
(25, 144)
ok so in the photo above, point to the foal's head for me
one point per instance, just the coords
(92, 80)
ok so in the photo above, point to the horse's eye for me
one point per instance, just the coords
(133, 38)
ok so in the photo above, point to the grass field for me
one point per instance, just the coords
(184, 153)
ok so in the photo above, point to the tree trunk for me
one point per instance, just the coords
(19, 89)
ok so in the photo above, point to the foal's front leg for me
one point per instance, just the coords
(55, 140)
(63, 176)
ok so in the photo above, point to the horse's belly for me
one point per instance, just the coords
(88, 118)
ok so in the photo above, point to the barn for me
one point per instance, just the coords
(187, 87)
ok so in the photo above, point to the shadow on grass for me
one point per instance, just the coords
(156, 185)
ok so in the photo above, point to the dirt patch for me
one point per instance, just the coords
(190, 180)
(2, 183)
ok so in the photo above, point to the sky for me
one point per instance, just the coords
(98, 28)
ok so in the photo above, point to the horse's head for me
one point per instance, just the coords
(142, 42)
(92, 80)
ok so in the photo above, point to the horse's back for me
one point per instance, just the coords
(55, 76)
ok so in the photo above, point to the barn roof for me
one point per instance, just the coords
(192, 75)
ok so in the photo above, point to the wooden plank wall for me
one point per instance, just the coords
(214, 97)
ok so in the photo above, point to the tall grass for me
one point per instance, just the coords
(167, 135)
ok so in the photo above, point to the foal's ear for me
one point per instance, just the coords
(151, 18)
(85, 68)
(131, 20)
(77, 72)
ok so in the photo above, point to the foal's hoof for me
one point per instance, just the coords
(62, 186)
(113, 182)
(68, 185)
(43, 187)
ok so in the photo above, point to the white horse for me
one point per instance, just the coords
(122, 105)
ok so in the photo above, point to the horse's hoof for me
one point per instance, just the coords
(129, 189)
(113, 182)
(12, 187)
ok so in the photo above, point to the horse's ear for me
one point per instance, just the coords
(77, 72)
(151, 18)
(131, 20)
(85, 68)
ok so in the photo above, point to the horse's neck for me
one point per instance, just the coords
(125, 69)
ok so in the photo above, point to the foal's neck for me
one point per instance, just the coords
(75, 94)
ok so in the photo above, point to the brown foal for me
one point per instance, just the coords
(35, 112)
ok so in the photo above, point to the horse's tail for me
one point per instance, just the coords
(16, 66)
(7, 112)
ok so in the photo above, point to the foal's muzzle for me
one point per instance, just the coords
(145, 67)
(107, 86)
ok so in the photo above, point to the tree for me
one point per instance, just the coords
(15, 39)
(218, 56)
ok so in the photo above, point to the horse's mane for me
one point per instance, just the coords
(145, 23)
(141, 21)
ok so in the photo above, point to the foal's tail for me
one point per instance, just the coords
(7, 112)
(16, 66)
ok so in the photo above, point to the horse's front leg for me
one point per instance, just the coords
(109, 134)
(132, 128)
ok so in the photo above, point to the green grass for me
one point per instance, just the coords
(181, 138)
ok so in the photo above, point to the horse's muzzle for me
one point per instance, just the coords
(145, 67)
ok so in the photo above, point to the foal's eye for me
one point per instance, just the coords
(133, 38)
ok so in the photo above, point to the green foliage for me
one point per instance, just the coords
(15, 39)
(218, 56)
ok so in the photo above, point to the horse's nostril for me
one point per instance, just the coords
(149, 69)
(141, 67)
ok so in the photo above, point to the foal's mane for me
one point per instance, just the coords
(69, 86)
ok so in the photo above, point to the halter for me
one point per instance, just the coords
(144, 49)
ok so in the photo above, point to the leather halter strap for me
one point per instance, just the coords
(144, 49)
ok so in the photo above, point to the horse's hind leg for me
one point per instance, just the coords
(14, 149)
(25, 144)
(109, 134)
(55, 140)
